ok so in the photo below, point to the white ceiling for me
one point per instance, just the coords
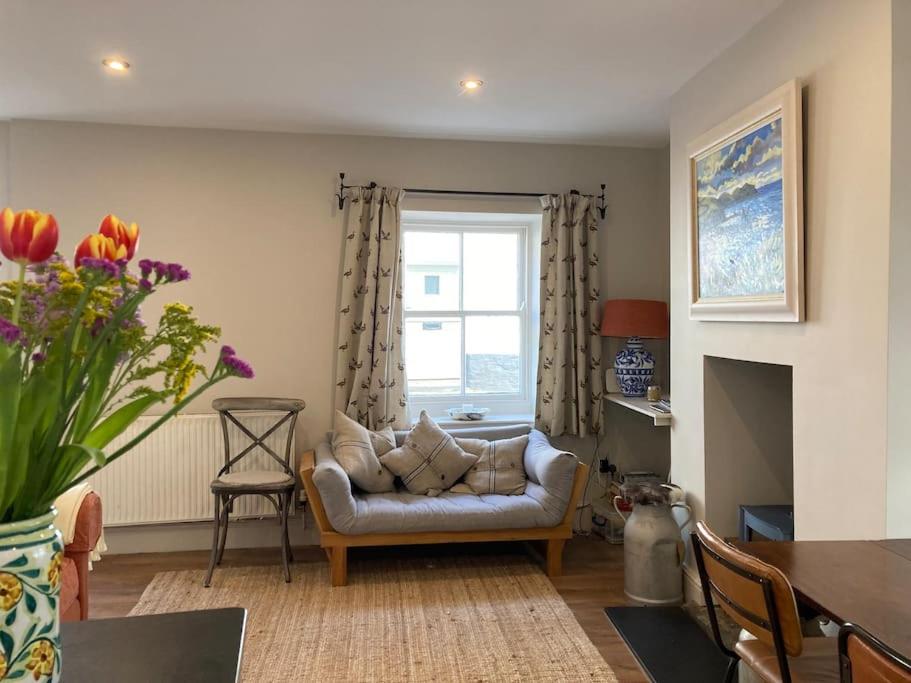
(580, 71)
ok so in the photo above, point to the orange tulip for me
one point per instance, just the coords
(27, 236)
(122, 234)
(99, 247)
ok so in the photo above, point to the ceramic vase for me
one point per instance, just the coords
(635, 368)
(31, 559)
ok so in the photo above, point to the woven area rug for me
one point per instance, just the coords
(455, 619)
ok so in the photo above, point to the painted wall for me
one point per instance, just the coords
(898, 523)
(841, 49)
(253, 216)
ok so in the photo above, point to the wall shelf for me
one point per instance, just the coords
(641, 405)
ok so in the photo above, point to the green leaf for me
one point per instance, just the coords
(31, 573)
(30, 604)
(99, 377)
(20, 561)
(93, 453)
(10, 618)
(19, 673)
(115, 423)
(11, 381)
(6, 642)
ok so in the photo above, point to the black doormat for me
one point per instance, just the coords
(669, 645)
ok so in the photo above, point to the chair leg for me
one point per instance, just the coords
(285, 549)
(216, 523)
(338, 566)
(555, 556)
(225, 513)
(287, 520)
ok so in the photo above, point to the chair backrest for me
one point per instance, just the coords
(865, 658)
(227, 407)
(754, 594)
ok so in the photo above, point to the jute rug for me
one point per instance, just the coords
(460, 619)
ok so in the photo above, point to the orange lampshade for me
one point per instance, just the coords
(634, 318)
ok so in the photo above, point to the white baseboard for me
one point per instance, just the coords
(692, 587)
(244, 533)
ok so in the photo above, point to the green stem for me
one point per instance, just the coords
(17, 307)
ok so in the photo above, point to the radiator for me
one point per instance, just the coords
(166, 477)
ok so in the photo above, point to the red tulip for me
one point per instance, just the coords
(100, 247)
(121, 233)
(27, 236)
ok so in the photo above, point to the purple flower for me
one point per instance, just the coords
(103, 266)
(98, 325)
(39, 357)
(8, 332)
(145, 284)
(237, 367)
(146, 267)
(227, 351)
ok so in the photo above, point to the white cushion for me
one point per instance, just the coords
(382, 441)
(256, 478)
(429, 461)
(499, 468)
(352, 447)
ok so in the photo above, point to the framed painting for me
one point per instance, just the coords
(746, 214)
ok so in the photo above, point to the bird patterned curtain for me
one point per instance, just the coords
(570, 380)
(370, 368)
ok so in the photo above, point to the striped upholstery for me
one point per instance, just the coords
(499, 468)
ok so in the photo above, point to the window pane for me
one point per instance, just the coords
(491, 271)
(431, 271)
(433, 355)
(492, 349)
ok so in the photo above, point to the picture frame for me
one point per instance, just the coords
(746, 222)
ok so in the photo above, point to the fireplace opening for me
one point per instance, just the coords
(749, 438)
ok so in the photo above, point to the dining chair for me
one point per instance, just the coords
(759, 598)
(276, 485)
(865, 658)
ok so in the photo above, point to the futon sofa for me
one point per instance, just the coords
(74, 572)
(347, 517)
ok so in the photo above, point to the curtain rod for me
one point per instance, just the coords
(340, 195)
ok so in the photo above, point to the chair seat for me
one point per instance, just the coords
(256, 480)
(817, 664)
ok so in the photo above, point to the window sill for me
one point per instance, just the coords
(447, 422)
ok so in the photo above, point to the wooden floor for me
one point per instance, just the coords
(592, 580)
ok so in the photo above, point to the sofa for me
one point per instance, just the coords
(74, 585)
(347, 517)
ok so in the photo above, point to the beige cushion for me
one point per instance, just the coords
(382, 441)
(499, 468)
(429, 461)
(352, 448)
(255, 478)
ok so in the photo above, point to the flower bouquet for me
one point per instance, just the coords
(78, 365)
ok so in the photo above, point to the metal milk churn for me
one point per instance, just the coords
(653, 550)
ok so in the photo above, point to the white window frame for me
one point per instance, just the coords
(528, 229)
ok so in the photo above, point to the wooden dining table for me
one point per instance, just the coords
(863, 582)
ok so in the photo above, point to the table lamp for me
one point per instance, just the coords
(634, 319)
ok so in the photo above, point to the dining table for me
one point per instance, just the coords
(867, 583)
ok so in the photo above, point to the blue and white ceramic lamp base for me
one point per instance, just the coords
(635, 368)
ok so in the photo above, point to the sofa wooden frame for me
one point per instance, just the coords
(336, 544)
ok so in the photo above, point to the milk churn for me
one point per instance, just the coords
(653, 551)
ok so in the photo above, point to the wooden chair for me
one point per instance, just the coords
(865, 658)
(760, 599)
(276, 486)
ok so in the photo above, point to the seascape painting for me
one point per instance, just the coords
(740, 233)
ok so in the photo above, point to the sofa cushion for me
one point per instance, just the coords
(69, 584)
(382, 441)
(351, 444)
(499, 469)
(403, 512)
(429, 461)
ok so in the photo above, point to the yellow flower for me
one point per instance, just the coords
(10, 591)
(53, 570)
(177, 307)
(3, 666)
(41, 659)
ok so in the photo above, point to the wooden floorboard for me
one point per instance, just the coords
(592, 580)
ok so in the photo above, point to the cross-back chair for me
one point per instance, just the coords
(276, 485)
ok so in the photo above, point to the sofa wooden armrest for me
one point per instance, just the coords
(336, 544)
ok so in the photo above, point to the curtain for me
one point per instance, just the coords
(370, 367)
(570, 380)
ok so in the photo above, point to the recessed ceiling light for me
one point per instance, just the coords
(471, 83)
(116, 64)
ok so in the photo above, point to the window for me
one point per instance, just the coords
(431, 284)
(470, 310)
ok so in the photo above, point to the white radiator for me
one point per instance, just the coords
(166, 477)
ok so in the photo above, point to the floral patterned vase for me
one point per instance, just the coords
(635, 368)
(31, 556)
